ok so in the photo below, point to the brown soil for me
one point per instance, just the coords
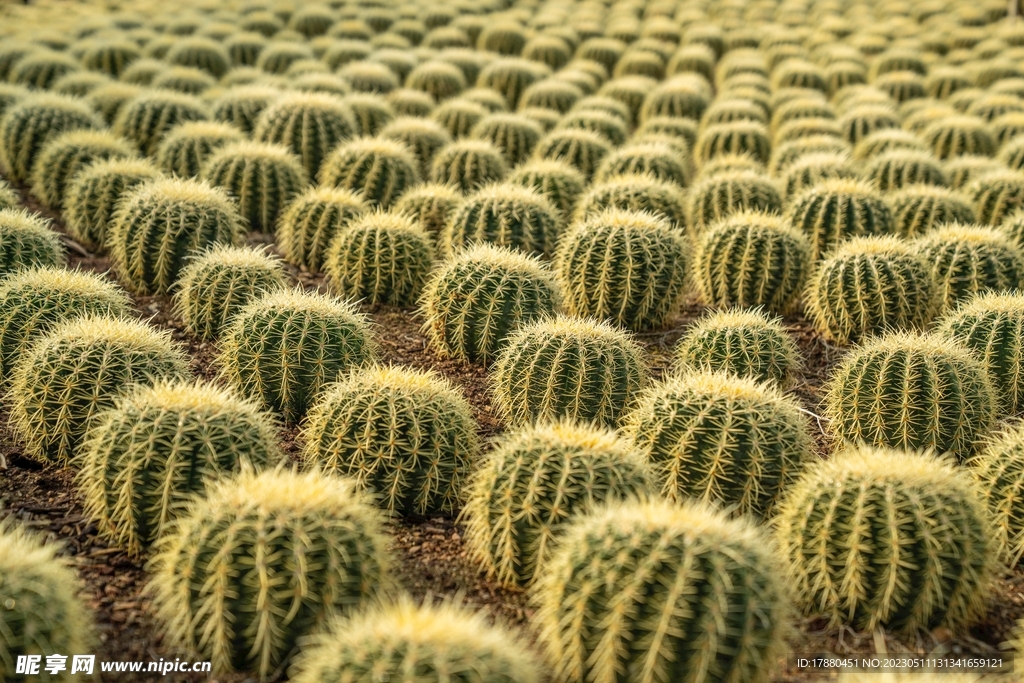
(432, 559)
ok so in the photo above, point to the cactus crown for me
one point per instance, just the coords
(865, 583)
(378, 168)
(64, 156)
(27, 241)
(185, 148)
(95, 193)
(634, 193)
(28, 124)
(837, 209)
(505, 214)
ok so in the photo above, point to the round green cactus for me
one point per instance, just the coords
(311, 221)
(572, 368)
(219, 542)
(810, 169)
(716, 197)
(680, 96)
(721, 439)
(477, 298)
(371, 112)
(740, 137)
(964, 170)
(110, 57)
(219, 283)
(142, 71)
(752, 259)
(244, 48)
(241, 106)
(43, 615)
(284, 347)
(312, 125)
(458, 116)
(40, 69)
(862, 120)
(651, 158)
(406, 435)
(158, 224)
(144, 459)
(869, 285)
(277, 56)
(147, 118)
(625, 266)
(262, 178)
(560, 183)
(442, 80)
(730, 109)
(606, 600)
(785, 154)
(557, 94)
(918, 209)
(913, 392)
(837, 209)
(999, 472)
(36, 299)
(78, 368)
(528, 489)
(423, 137)
(33, 121)
(995, 195)
(412, 104)
(510, 76)
(431, 205)
(507, 215)
(743, 342)
(968, 259)
(992, 325)
(634, 193)
(848, 525)
(379, 169)
(593, 114)
(888, 140)
(184, 79)
(27, 241)
(186, 148)
(79, 83)
(468, 165)
(200, 53)
(902, 168)
(514, 135)
(9, 198)
(380, 258)
(94, 194)
(584, 150)
(959, 135)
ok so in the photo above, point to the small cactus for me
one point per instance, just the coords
(405, 435)
(918, 209)
(64, 156)
(379, 169)
(739, 137)
(148, 117)
(159, 223)
(810, 169)
(40, 69)
(714, 198)
(584, 150)
(657, 591)
(752, 259)
(312, 125)
(219, 543)
(218, 283)
(896, 170)
(861, 121)
(514, 135)
(962, 171)
(592, 114)
(443, 80)
(992, 325)
(379, 258)
(746, 343)
(34, 120)
(9, 198)
(560, 183)
(144, 459)
(634, 193)
(785, 154)
(959, 135)
(458, 116)
(999, 472)
(529, 488)
(94, 194)
(371, 112)
(967, 259)
(477, 298)
(655, 159)
(431, 205)
(187, 147)
(200, 53)
(284, 347)
(42, 614)
(848, 525)
(721, 439)
(913, 392)
(241, 106)
(625, 266)
(311, 221)
(506, 215)
(679, 96)
(27, 241)
(185, 80)
(468, 165)
(510, 76)
(835, 210)
(571, 368)
(423, 137)
(110, 57)
(996, 195)
(78, 368)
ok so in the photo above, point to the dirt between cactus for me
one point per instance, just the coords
(432, 561)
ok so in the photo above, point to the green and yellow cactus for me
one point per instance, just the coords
(468, 165)
(431, 205)
(996, 195)
(422, 136)
(312, 220)
(32, 121)
(918, 209)
(956, 136)
(186, 148)
(405, 435)
(241, 106)
(27, 241)
(912, 392)
(94, 194)
(379, 169)
(848, 525)
(998, 471)
(634, 193)
(219, 542)
(145, 119)
(143, 460)
(838, 209)
(507, 215)
(716, 197)
(64, 156)
(312, 125)
(514, 135)
(582, 149)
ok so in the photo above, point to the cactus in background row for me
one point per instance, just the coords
(918, 209)
(312, 125)
(241, 106)
(478, 297)
(752, 259)
(144, 459)
(528, 489)
(625, 266)
(312, 220)
(913, 392)
(94, 194)
(836, 210)
(430, 205)
(634, 193)
(746, 343)
(187, 147)
(380, 258)
(999, 472)
(514, 135)
(34, 120)
(423, 137)
(42, 614)
(221, 281)
(419, 644)
(870, 285)
(158, 224)
(582, 149)
(405, 435)
(64, 156)
(652, 158)
(9, 198)
(955, 136)
(283, 348)
(660, 592)
(992, 325)
(719, 196)
(260, 177)
(572, 368)
(507, 215)
(721, 439)
(380, 170)
(147, 118)
(848, 525)
(330, 554)
(40, 69)
(996, 195)
(560, 183)
(77, 369)
(27, 241)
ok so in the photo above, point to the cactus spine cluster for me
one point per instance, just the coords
(142, 460)
(330, 554)
(847, 527)
(405, 435)
(534, 482)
